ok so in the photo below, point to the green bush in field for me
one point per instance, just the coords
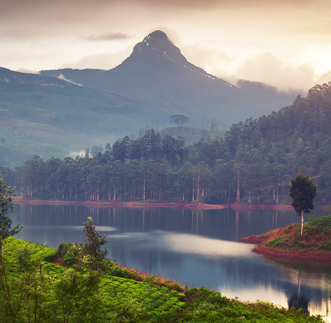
(326, 246)
(279, 242)
(321, 223)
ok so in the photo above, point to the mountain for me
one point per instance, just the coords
(57, 112)
(157, 73)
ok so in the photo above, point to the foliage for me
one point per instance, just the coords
(93, 245)
(253, 162)
(70, 295)
(322, 222)
(316, 236)
(302, 191)
(326, 246)
(279, 242)
(57, 294)
(210, 306)
(179, 119)
(6, 205)
(90, 254)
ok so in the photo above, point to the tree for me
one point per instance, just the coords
(179, 119)
(302, 191)
(95, 149)
(92, 247)
(6, 205)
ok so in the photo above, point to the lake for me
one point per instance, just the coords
(194, 247)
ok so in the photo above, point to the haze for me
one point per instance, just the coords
(282, 43)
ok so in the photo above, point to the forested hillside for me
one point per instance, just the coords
(252, 163)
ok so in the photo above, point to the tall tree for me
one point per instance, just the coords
(94, 245)
(302, 191)
(179, 119)
(6, 205)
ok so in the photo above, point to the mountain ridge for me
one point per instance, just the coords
(155, 82)
(157, 73)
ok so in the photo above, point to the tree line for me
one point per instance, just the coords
(254, 160)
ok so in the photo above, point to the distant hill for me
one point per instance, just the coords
(51, 117)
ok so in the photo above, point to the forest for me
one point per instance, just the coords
(252, 163)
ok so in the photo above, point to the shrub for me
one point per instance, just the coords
(326, 246)
(63, 248)
(279, 242)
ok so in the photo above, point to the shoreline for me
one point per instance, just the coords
(304, 256)
(322, 257)
(198, 206)
(24, 201)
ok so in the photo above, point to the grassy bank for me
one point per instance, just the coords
(122, 294)
(286, 243)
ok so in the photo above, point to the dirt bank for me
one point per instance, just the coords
(199, 206)
(24, 201)
(252, 240)
(294, 255)
(288, 255)
(271, 207)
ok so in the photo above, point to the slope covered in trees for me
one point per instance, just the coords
(252, 163)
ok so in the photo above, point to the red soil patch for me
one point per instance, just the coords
(199, 206)
(271, 207)
(294, 255)
(56, 263)
(22, 200)
(252, 239)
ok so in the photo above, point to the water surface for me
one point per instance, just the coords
(195, 247)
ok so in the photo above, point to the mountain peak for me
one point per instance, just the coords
(157, 33)
(158, 39)
(157, 45)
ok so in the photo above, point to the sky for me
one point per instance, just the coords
(285, 43)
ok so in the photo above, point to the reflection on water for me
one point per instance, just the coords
(196, 247)
(298, 301)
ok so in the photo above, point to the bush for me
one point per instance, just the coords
(279, 242)
(326, 246)
(63, 248)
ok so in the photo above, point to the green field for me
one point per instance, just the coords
(36, 290)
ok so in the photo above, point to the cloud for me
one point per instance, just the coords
(107, 37)
(100, 61)
(209, 59)
(217, 35)
(270, 69)
(325, 78)
(23, 70)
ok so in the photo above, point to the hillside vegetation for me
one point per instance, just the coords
(55, 293)
(49, 116)
(286, 243)
(252, 163)
(316, 236)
